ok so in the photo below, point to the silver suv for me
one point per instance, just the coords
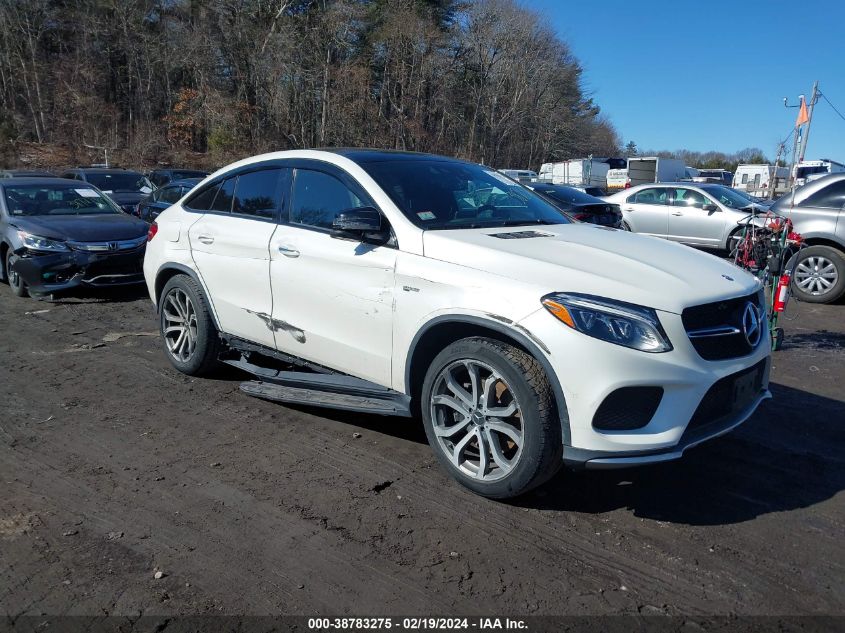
(818, 212)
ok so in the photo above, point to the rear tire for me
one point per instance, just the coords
(519, 431)
(191, 341)
(818, 275)
(18, 285)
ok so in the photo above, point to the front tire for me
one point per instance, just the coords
(490, 417)
(191, 341)
(819, 274)
(18, 285)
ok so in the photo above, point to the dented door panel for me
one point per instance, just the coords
(333, 301)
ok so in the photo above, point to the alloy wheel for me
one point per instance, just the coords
(477, 420)
(816, 275)
(179, 325)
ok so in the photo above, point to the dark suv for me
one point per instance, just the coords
(124, 186)
(818, 212)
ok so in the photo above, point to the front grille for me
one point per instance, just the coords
(627, 408)
(110, 247)
(728, 397)
(716, 329)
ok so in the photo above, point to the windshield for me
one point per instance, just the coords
(567, 194)
(727, 197)
(439, 194)
(120, 181)
(56, 200)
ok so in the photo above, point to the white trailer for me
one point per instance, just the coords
(647, 169)
(761, 180)
(808, 170)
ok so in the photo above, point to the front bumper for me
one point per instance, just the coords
(47, 273)
(589, 370)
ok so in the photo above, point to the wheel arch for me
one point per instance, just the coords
(4, 248)
(814, 240)
(441, 331)
(168, 271)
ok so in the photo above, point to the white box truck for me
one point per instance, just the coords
(643, 170)
(761, 180)
(579, 172)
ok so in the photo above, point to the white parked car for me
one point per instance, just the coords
(417, 285)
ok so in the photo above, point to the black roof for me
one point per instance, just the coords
(360, 155)
(102, 170)
(27, 173)
(28, 180)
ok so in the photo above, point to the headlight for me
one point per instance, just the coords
(36, 243)
(616, 322)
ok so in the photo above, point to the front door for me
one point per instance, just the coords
(333, 297)
(691, 224)
(230, 246)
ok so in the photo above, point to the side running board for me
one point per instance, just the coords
(333, 391)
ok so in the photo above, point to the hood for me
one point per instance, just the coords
(103, 227)
(595, 260)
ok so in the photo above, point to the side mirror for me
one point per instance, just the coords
(710, 208)
(362, 223)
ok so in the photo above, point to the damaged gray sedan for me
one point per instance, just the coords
(57, 235)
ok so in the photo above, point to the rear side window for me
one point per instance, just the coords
(225, 195)
(831, 197)
(318, 198)
(257, 193)
(202, 200)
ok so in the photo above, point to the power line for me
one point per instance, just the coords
(841, 116)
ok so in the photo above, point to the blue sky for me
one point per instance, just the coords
(709, 74)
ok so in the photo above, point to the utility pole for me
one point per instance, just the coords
(813, 98)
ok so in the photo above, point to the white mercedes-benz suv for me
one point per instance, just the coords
(418, 285)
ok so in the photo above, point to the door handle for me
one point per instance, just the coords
(629, 209)
(677, 213)
(288, 251)
(205, 239)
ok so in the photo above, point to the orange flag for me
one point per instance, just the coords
(803, 117)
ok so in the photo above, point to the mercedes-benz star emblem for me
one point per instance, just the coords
(751, 326)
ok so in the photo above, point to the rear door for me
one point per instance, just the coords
(333, 297)
(230, 246)
(690, 223)
(647, 211)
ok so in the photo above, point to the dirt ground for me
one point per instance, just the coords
(114, 466)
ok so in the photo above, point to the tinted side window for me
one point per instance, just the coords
(225, 195)
(257, 193)
(319, 197)
(201, 201)
(650, 196)
(831, 197)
